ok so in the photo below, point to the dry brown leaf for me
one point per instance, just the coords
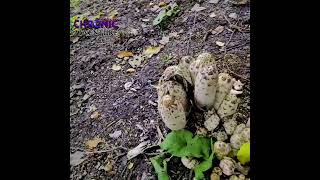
(151, 50)
(94, 143)
(130, 166)
(161, 4)
(217, 30)
(95, 115)
(123, 54)
(109, 166)
(131, 70)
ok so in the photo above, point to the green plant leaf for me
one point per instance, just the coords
(199, 147)
(176, 142)
(243, 154)
(160, 165)
(159, 18)
(203, 166)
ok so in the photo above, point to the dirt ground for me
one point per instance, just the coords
(97, 90)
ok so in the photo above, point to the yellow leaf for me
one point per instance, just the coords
(123, 54)
(108, 167)
(150, 51)
(112, 14)
(130, 166)
(131, 70)
(93, 143)
(161, 4)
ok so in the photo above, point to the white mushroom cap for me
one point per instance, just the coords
(227, 165)
(245, 134)
(221, 149)
(239, 128)
(236, 141)
(190, 163)
(230, 126)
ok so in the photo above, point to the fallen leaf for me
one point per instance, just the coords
(137, 150)
(116, 67)
(219, 43)
(197, 8)
(95, 115)
(217, 30)
(112, 14)
(212, 15)
(164, 40)
(115, 134)
(123, 54)
(161, 4)
(151, 50)
(233, 15)
(128, 85)
(77, 158)
(135, 61)
(213, 1)
(108, 167)
(94, 143)
(130, 166)
(131, 70)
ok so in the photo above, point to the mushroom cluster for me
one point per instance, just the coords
(217, 94)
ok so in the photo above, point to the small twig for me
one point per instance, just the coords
(152, 154)
(108, 150)
(225, 47)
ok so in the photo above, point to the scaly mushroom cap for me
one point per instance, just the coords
(190, 163)
(172, 112)
(225, 83)
(236, 141)
(212, 122)
(222, 136)
(205, 87)
(233, 177)
(175, 90)
(230, 104)
(245, 134)
(227, 165)
(214, 176)
(221, 149)
(243, 169)
(239, 128)
(202, 60)
(230, 126)
(172, 105)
